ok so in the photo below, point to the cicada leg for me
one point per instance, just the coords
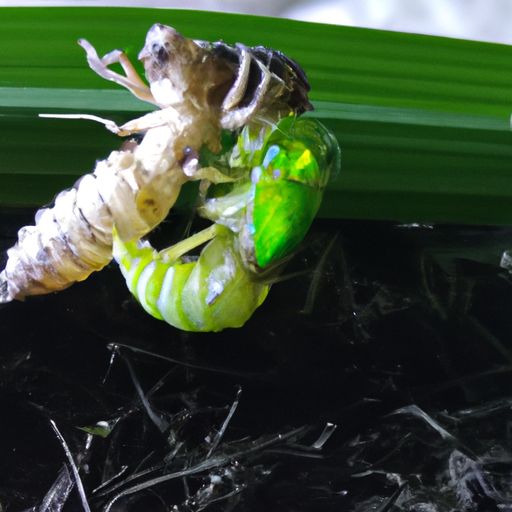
(234, 118)
(131, 80)
(176, 251)
(237, 91)
(155, 119)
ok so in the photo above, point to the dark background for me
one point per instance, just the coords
(398, 335)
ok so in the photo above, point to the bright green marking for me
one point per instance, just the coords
(288, 186)
(220, 293)
(293, 161)
(136, 271)
(297, 134)
(153, 287)
(172, 310)
(195, 302)
(155, 283)
(125, 263)
(133, 261)
(126, 253)
(282, 215)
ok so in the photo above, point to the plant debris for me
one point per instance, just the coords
(376, 378)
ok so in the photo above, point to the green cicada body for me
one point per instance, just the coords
(260, 220)
(212, 293)
(290, 166)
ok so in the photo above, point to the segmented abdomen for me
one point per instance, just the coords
(210, 294)
(73, 238)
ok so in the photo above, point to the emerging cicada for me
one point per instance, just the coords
(200, 89)
(258, 223)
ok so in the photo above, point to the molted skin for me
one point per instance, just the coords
(199, 92)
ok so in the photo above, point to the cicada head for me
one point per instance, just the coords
(178, 70)
(297, 158)
(164, 49)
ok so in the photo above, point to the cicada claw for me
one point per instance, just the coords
(130, 81)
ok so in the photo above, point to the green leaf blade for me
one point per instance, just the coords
(423, 122)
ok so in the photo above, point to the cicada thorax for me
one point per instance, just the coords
(273, 209)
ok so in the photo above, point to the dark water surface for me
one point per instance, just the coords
(400, 336)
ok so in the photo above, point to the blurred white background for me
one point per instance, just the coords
(486, 20)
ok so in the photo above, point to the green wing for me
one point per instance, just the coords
(299, 156)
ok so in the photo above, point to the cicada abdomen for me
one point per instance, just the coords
(210, 293)
(200, 88)
(258, 224)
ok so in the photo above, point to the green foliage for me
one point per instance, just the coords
(423, 122)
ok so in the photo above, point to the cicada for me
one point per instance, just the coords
(199, 89)
(282, 171)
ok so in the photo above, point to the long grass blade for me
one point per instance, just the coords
(423, 122)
